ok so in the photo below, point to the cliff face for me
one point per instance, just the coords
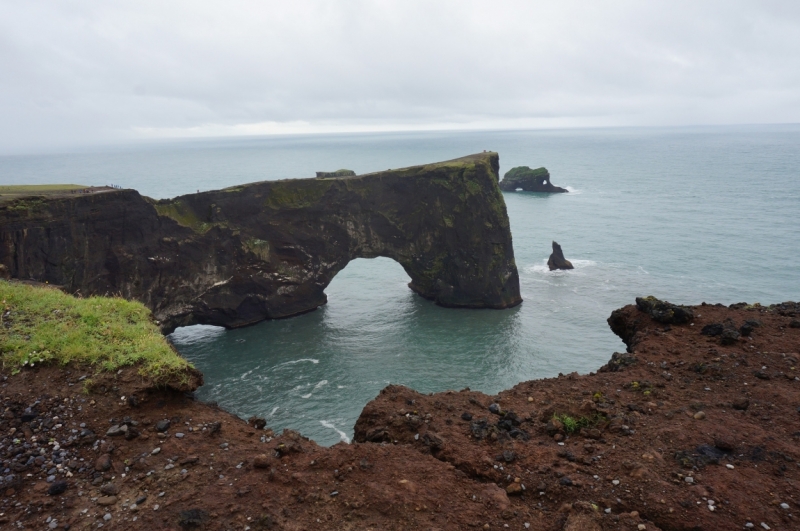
(529, 180)
(268, 250)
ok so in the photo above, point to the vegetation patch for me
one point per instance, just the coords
(45, 325)
(575, 424)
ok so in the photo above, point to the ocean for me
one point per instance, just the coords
(685, 214)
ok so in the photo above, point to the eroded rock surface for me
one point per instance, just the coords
(266, 250)
(528, 180)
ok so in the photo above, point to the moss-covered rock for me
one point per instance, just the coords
(268, 250)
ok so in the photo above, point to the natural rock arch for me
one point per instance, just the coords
(267, 250)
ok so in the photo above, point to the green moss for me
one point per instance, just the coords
(183, 214)
(297, 194)
(27, 205)
(45, 325)
(575, 424)
(524, 172)
(473, 187)
(260, 248)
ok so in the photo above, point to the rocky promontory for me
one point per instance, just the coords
(680, 431)
(528, 180)
(268, 250)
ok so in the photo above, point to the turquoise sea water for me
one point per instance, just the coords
(689, 215)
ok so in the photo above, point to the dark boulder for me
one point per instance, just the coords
(663, 311)
(528, 180)
(557, 260)
(747, 328)
(730, 334)
(713, 329)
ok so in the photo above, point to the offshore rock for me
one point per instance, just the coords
(522, 177)
(557, 260)
(268, 250)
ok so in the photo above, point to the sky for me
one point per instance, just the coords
(96, 72)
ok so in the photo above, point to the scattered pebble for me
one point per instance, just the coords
(729, 466)
(689, 479)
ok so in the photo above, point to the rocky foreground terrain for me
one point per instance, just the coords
(697, 426)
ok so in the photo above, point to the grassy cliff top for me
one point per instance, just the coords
(18, 190)
(45, 325)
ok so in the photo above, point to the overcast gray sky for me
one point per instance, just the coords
(89, 72)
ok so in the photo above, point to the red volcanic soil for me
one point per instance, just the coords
(686, 431)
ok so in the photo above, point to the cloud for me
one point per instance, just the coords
(89, 72)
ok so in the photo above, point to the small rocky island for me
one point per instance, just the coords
(333, 174)
(528, 180)
(557, 260)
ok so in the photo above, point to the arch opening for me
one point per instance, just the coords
(368, 281)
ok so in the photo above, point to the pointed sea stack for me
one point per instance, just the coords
(557, 260)
(528, 180)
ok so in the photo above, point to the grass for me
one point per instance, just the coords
(38, 189)
(574, 424)
(45, 325)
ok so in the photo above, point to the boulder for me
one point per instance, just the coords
(557, 260)
(528, 180)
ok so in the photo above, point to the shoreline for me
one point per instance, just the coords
(678, 405)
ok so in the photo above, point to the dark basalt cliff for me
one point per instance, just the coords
(267, 250)
(529, 180)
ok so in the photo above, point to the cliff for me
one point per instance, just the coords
(529, 180)
(682, 432)
(267, 250)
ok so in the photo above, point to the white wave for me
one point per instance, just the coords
(272, 413)
(312, 360)
(331, 425)
(542, 268)
(572, 190)
(321, 384)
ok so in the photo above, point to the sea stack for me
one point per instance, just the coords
(557, 260)
(528, 180)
